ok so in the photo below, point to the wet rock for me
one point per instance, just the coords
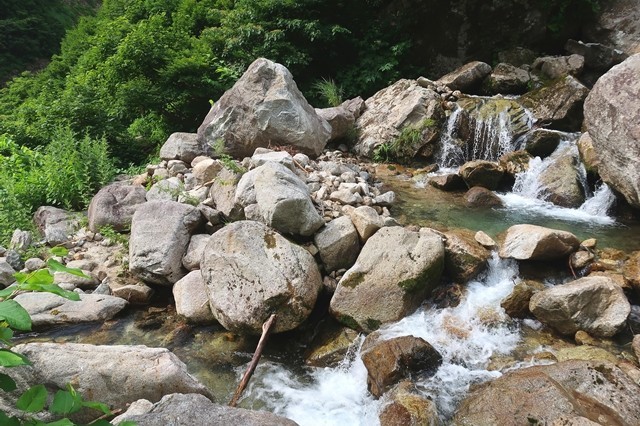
(559, 104)
(531, 242)
(467, 77)
(331, 346)
(56, 225)
(338, 244)
(114, 206)
(136, 294)
(559, 66)
(192, 299)
(542, 142)
(487, 174)
(385, 200)
(181, 146)
(264, 108)
(193, 409)
(252, 272)
(506, 79)
(464, 257)
(593, 304)
(6, 273)
(635, 345)
(516, 305)
(160, 234)
(585, 353)
(588, 154)
(514, 162)
(390, 361)
(479, 196)
(560, 180)
(631, 270)
(223, 193)
(47, 309)
(581, 259)
(394, 272)
(448, 182)
(599, 391)
(366, 221)
(403, 104)
(612, 117)
(197, 243)
(484, 240)
(618, 25)
(596, 56)
(283, 199)
(408, 407)
(114, 375)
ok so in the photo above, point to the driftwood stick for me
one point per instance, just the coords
(266, 329)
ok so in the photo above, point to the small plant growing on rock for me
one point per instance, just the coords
(329, 91)
(402, 148)
(227, 160)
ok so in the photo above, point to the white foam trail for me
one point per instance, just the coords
(601, 202)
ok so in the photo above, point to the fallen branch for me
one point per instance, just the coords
(266, 329)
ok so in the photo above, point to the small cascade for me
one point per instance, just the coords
(482, 128)
(601, 202)
(467, 336)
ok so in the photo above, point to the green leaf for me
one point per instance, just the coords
(59, 251)
(128, 423)
(102, 422)
(6, 334)
(41, 276)
(12, 359)
(33, 400)
(21, 277)
(7, 291)
(8, 421)
(7, 384)
(55, 289)
(56, 266)
(65, 403)
(104, 408)
(62, 422)
(15, 315)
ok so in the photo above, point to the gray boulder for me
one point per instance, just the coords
(6, 273)
(366, 220)
(467, 77)
(191, 259)
(56, 225)
(160, 235)
(394, 272)
(193, 409)
(558, 105)
(612, 118)
(596, 305)
(402, 105)
(165, 190)
(338, 244)
(264, 155)
(47, 309)
(223, 192)
(136, 294)
(192, 299)
(264, 108)
(560, 181)
(283, 199)
(617, 25)
(181, 146)
(596, 56)
(531, 242)
(342, 121)
(506, 79)
(206, 170)
(599, 392)
(252, 272)
(20, 240)
(114, 206)
(559, 66)
(114, 375)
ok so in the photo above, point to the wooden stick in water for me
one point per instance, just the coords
(266, 329)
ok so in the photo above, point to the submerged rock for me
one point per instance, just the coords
(479, 196)
(264, 108)
(252, 272)
(598, 392)
(394, 272)
(532, 242)
(592, 304)
(408, 407)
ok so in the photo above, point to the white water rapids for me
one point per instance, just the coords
(466, 336)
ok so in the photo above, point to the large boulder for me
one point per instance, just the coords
(559, 66)
(6, 273)
(532, 242)
(193, 255)
(282, 198)
(252, 272)
(47, 309)
(596, 56)
(542, 142)
(507, 79)
(596, 305)
(181, 146)
(192, 299)
(223, 194)
(487, 174)
(402, 105)
(558, 105)
(342, 118)
(389, 361)
(114, 206)
(56, 225)
(114, 375)
(597, 392)
(479, 196)
(338, 244)
(464, 257)
(618, 25)
(612, 118)
(395, 271)
(560, 180)
(194, 409)
(466, 78)
(160, 235)
(264, 108)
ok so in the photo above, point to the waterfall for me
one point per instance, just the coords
(467, 336)
(451, 153)
(601, 202)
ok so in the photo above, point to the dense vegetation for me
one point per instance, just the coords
(140, 69)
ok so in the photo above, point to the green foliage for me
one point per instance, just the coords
(107, 231)
(403, 148)
(226, 160)
(329, 91)
(14, 317)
